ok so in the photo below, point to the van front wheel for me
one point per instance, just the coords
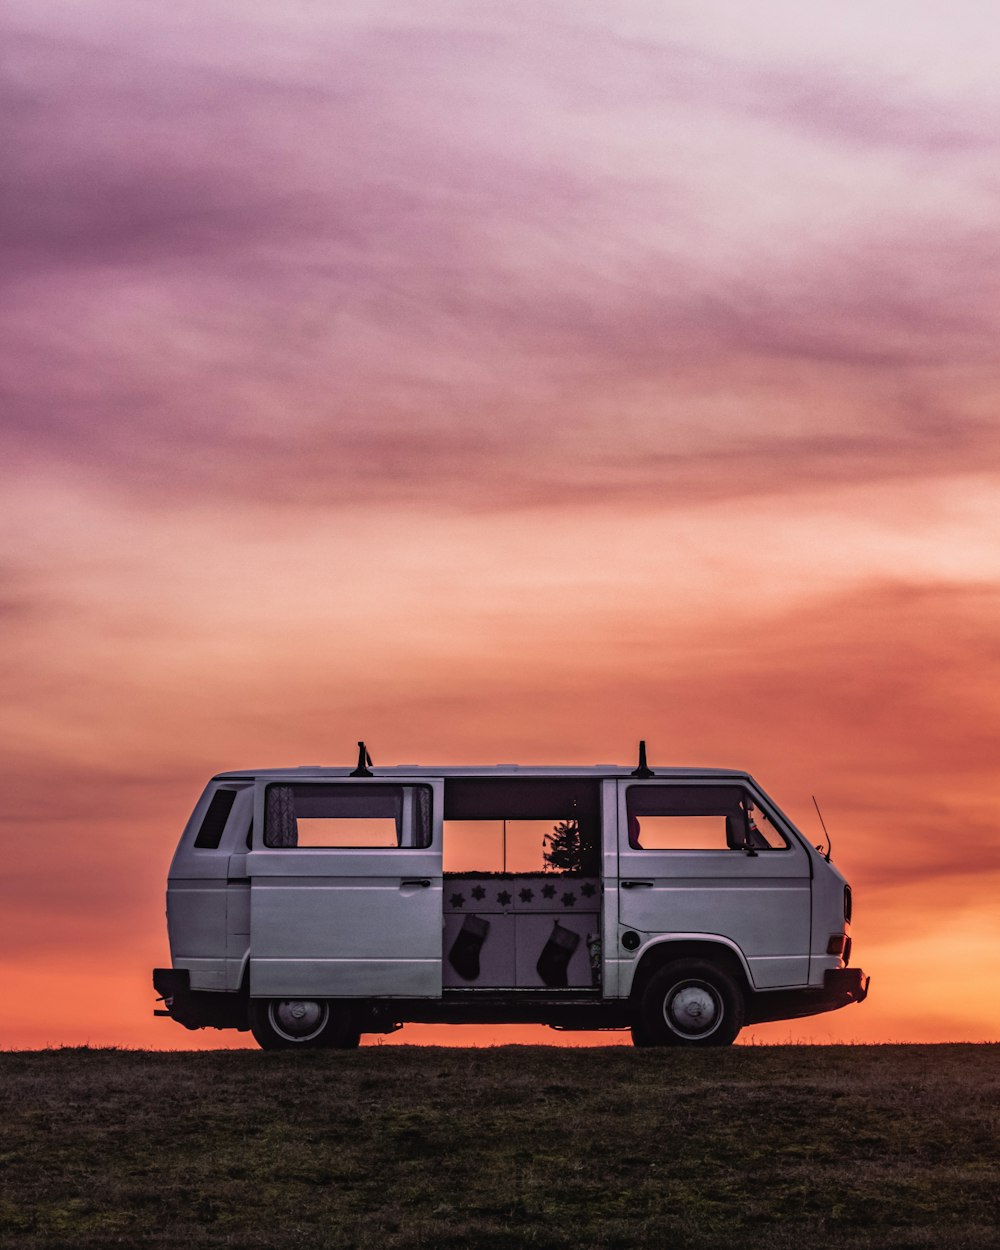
(302, 1024)
(691, 1002)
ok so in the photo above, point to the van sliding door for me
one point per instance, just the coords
(345, 896)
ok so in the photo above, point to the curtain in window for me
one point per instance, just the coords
(423, 837)
(281, 827)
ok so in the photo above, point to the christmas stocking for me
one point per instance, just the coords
(464, 953)
(553, 962)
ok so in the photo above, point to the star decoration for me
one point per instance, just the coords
(457, 900)
(548, 891)
(503, 898)
(587, 889)
(568, 899)
(526, 896)
(478, 892)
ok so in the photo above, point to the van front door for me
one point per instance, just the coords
(707, 858)
(345, 895)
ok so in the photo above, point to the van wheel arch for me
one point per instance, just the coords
(668, 952)
(710, 973)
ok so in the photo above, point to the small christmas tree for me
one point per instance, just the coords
(568, 848)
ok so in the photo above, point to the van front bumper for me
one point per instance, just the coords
(845, 985)
(841, 987)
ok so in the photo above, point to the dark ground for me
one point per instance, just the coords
(389, 1147)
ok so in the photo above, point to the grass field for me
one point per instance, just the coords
(392, 1147)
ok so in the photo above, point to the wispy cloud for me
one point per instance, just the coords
(384, 268)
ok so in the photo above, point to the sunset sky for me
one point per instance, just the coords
(499, 382)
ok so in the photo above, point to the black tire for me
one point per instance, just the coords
(303, 1024)
(691, 1002)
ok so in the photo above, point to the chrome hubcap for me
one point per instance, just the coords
(693, 1009)
(297, 1019)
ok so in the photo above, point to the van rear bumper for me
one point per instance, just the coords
(198, 1009)
(841, 987)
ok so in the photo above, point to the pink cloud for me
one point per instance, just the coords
(387, 269)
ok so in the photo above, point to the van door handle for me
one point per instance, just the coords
(423, 883)
(637, 885)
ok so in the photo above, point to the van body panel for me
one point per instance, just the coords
(768, 918)
(615, 983)
(341, 935)
(346, 922)
(237, 922)
(206, 908)
(345, 978)
(206, 974)
(828, 918)
(761, 902)
(198, 861)
(196, 918)
(237, 917)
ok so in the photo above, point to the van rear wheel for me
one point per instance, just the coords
(691, 1002)
(303, 1024)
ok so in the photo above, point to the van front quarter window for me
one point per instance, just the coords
(347, 816)
(698, 818)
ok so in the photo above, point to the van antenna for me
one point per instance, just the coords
(363, 759)
(829, 844)
(643, 770)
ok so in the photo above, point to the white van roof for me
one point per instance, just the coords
(489, 770)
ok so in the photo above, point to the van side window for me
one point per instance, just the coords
(697, 818)
(210, 834)
(347, 816)
(522, 826)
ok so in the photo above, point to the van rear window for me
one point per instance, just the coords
(210, 833)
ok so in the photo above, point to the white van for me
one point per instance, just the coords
(312, 905)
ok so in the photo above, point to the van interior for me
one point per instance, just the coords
(522, 884)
